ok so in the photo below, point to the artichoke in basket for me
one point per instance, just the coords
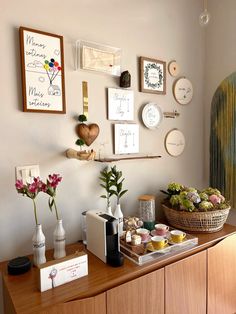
(190, 199)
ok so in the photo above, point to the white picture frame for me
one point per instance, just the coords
(120, 104)
(98, 57)
(126, 138)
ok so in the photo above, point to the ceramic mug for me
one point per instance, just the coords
(177, 236)
(144, 233)
(158, 242)
(161, 229)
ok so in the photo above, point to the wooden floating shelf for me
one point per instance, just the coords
(126, 158)
(71, 153)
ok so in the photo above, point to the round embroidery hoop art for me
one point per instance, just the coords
(183, 91)
(175, 142)
(152, 116)
(173, 68)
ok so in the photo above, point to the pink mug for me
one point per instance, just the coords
(144, 233)
(161, 229)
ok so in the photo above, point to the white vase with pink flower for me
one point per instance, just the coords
(31, 190)
(59, 235)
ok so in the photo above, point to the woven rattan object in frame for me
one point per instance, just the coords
(204, 222)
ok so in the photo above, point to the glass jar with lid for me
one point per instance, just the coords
(147, 211)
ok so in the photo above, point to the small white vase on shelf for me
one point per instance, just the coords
(119, 215)
(109, 211)
(38, 241)
(59, 240)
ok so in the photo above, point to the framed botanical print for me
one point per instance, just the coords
(152, 76)
(42, 65)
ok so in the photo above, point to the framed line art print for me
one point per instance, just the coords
(42, 68)
(152, 76)
(126, 138)
(120, 104)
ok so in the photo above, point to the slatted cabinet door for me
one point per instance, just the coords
(222, 277)
(144, 295)
(185, 285)
(93, 305)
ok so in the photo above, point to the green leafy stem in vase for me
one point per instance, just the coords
(112, 182)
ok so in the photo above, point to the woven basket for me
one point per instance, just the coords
(205, 222)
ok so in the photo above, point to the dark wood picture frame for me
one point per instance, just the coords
(42, 62)
(155, 68)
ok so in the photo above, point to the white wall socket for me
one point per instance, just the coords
(26, 173)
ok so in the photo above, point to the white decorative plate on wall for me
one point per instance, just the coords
(175, 142)
(152, 115)
(183, 91)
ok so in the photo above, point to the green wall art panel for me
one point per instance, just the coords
(223, 139)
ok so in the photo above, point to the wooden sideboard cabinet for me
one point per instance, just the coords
(185, 285)
(93, 305)
(144, 295)
(221, 292)
(198, 281)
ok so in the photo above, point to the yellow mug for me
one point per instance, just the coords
(158, 242)
(177, 236)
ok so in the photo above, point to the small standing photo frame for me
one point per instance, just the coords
(120, 104)
(42, 66)
(152, 76)
(126, 138)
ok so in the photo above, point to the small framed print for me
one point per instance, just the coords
(152, 76)
(120, 104)
(42, 65)
(126, 138)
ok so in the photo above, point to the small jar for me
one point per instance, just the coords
(136, 239)
(147, 211)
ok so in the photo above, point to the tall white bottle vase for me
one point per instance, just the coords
(109, 211)
(38, 241)
(119, 215)
(59, 240)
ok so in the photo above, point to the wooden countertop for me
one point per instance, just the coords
(26, 297)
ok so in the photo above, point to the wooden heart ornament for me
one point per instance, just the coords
(88, 133)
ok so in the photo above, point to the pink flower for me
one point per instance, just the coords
(215, 199)
(54, 180)
(50, 188)
(33, 188)
(44, 187)
(19, 184)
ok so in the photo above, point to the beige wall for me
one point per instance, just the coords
(220, 59)
(165, 30)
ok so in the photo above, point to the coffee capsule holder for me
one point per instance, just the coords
(140, 254)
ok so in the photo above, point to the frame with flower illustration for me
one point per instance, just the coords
(152, 76)
(42, 68)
